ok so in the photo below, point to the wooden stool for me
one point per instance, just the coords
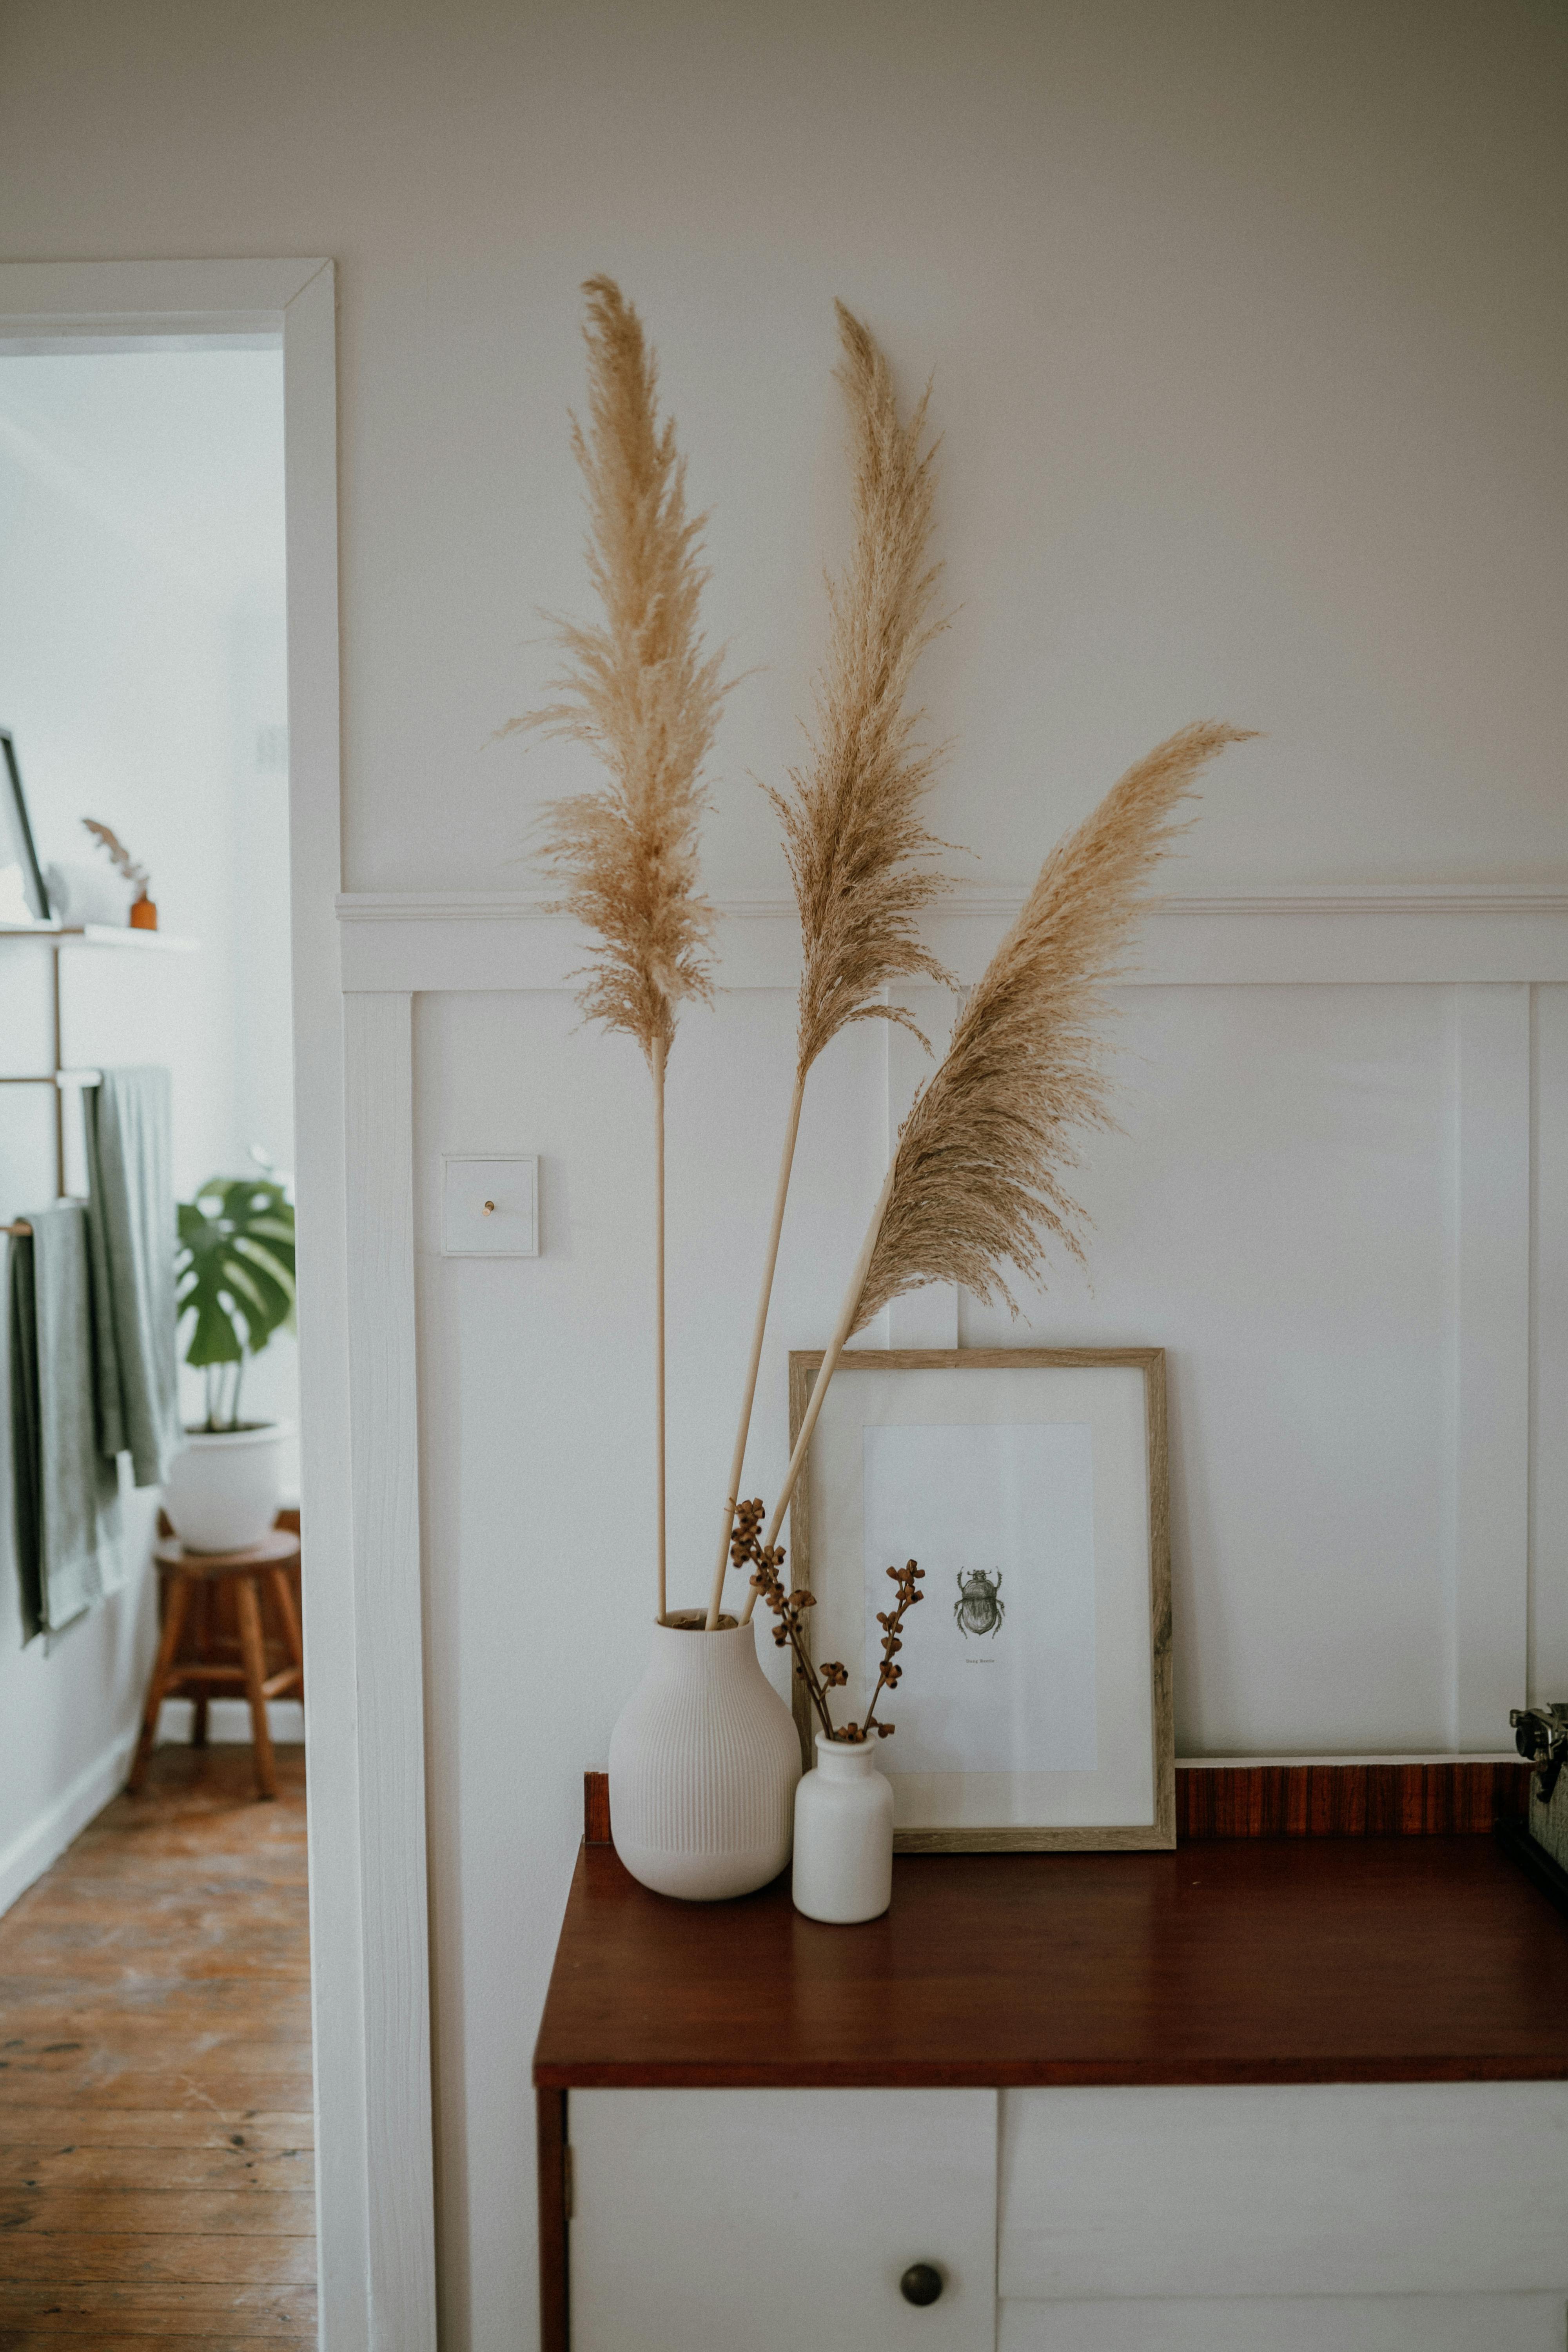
(192, 1576)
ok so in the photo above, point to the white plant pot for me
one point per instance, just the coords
(225, 1485)
(843, 1835)
(704, 1765)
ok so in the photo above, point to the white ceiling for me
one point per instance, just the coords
(180, 452)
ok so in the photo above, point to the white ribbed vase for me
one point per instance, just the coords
(703, 1764)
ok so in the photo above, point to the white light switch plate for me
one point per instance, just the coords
(490, 1207)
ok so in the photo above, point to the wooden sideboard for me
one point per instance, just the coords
(1258, 2089)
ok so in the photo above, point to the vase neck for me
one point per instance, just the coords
(840, 1759)
(687, 1655)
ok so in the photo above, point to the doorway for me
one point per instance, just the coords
(371, 2087)
(155, 2110)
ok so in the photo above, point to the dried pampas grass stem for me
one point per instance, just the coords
(637, 689)
(860, 858)
(979, 1176)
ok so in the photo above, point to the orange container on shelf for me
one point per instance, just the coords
(144, 915)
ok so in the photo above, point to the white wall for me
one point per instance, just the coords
(1248, 349)
(141, 660)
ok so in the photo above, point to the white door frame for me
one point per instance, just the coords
(369, 1945)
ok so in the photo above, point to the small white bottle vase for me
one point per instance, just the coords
(844, 1835)
(703, 1766)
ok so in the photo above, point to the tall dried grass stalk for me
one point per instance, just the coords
(978, 1181)
(859, 856)
(639, 691)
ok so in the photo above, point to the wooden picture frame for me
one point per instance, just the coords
(1145, 1684)
(17, 851)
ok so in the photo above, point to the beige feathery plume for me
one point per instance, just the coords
(639, 691)
(859, 856)
(978, 1176)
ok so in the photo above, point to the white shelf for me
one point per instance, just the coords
(102, 935)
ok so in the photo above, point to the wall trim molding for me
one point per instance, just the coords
(46, 1838)
(408, 942)
(1002, 898)
(384, 1419)
(1491, 1368)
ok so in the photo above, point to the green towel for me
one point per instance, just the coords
(66, 1494)
(131, 1220)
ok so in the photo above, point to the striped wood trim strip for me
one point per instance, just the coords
(1338, 1801)
(1271, 1801)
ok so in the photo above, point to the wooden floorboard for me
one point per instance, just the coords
(156, 2156)
(151, 2128)
(197, 2317)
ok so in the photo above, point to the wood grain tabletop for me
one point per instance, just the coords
(1352, 1960)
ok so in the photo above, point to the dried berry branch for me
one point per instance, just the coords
(747, 1549)
(891, 1621)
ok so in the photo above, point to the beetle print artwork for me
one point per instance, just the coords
(1000, 1677)
(978, 1610)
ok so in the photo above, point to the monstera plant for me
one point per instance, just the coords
(234, 1268)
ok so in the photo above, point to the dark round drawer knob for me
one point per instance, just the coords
(922, 2283)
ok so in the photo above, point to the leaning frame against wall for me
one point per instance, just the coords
(375, 2205)
(1034, 1485)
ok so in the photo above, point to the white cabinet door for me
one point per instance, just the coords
(1321, 2189)
(774, 2221)
(1299, 2323)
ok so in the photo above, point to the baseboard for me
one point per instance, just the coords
(229, 1723)
(28, 1856)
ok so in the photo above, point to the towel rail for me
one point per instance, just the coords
(58, 1078)
(20, 1230)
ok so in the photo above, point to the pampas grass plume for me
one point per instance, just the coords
(858, 854)
(979, 1179)
(639, 691)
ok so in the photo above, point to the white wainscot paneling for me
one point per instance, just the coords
(1491, 1346)
(1278, 1211)
(1416, 2188)
(776, 2219)
(378, 1130)
(1548, 1350)
(536, 1482)
(1283, 1212)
